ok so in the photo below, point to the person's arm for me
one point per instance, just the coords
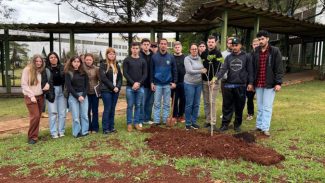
(278, 70)
(250, 69)
(103, 78)
(68, 84)
(152, 69)
(119, 78)
(144, 71)
(25, 84)
(126, 71)
(188, 67)
(174, 70)
(86, 84)
(97, 74)
(223, 69)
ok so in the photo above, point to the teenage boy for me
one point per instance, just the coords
(135, 73)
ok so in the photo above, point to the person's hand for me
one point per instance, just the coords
(204, 70)
(172, 85)
(46, 87)
(81, 99)
(250, 87)
(33, 99)
(153, 87)
(136, 86)
(115, 89)
(277, 88)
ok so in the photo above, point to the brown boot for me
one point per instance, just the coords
(130, 128)
(138, 127)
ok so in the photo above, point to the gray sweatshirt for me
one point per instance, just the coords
(193, 66)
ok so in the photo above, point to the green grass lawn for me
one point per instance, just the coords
(12, 108)
(298, 132)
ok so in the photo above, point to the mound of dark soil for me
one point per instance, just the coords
(177, 142)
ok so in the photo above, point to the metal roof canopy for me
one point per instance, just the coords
(118, 27)
(244, 15)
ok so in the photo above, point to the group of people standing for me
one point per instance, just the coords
(153, 78)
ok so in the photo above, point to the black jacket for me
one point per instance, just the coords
(274, 66)
(180, 67)
(147, 58)
(49, 94)
(212, 58)
(239, 67)
(106, 78)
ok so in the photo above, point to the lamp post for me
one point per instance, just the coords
(59, 33)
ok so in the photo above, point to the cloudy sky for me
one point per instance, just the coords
(45, 11)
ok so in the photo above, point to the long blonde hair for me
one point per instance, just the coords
(109, 62)
(33, 70)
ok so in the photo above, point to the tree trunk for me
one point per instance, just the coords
(160, 15)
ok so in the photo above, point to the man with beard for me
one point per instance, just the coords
(268, 65)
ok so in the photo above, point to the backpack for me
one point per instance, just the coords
(65, 90)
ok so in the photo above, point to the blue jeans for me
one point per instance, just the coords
(109, 100)
(57, 112)
(80, 123)
(93, 112)
(162, 93)
(265, 98)
(134, 99)
(192, 102)
(146, 105)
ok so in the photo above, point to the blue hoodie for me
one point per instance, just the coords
(163, 67)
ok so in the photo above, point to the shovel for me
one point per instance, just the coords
(170, 122)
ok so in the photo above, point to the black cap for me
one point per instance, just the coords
(236, 40)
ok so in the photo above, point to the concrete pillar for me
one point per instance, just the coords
(256, 26)
(7, 60)
(2, 63)
(110, 39)
(224, 30)
(152, 35)
(51, 43)
(72, 43)
(177, 36)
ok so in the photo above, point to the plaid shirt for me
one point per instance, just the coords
(261, 75)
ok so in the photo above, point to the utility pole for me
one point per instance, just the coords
(59, 33)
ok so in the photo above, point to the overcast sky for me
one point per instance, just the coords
(45, 11)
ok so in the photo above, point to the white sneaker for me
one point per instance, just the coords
(55, 136)
(61, 135)
(148, 123)
(140, 125)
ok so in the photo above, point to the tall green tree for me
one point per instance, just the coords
(126, 11)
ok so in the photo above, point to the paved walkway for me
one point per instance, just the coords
(20, 125)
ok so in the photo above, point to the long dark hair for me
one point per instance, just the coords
(48, 63)
(69, 68)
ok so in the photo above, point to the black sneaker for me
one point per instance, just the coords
(207, 125)
(223, 128)
(106, 132)
(78, 136)
(188, 127)
(257, 130)
(113, 131)
(157, 124)
(237, 129)
(195, 126)
(31, 141)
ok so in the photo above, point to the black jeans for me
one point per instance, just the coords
(179, 103)
(250, 102)
(233, 97)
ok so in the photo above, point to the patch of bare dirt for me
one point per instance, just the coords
(177, 143)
